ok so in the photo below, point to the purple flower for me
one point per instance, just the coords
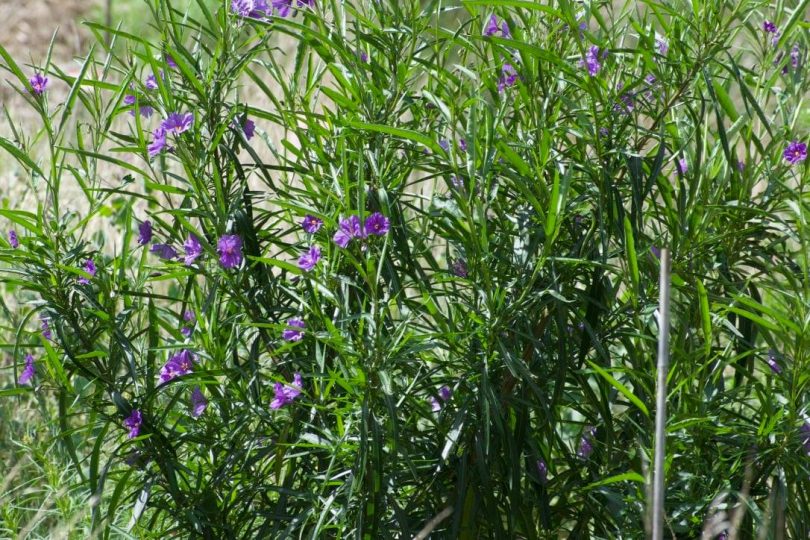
(662, 46)
(28, 372)
(145, 110)
(249, 8)
(794, 56)
(445, 145)
(462, 144)
(249, 128)
(177, 123)
(769, 27)
(311, 224)
(435, 406)
(46, 330)
(445, 393)
(591, 60)
(656, 251)
(493, 28)
(542, 471)
(189, 317)
(158, 143)
(309, 259)
(198, 402)
(229, 248)
(508, 77)
(170, 61)
(285, 394)
(193, 249)
(349, 228)
(90, 268)
(377, 224)
(294, 330)
(151, 82)
(682, 165)
(13, 240)
(585, 446)
(38, 84)
(145, 232)
(459, 268)
(795, 152)
(164, 251)
(179, 364)
(772, 363)
(133, 423)
(363, 57)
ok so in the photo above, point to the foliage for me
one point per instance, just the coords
(486, 344)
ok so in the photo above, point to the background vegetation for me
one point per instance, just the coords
(488, 358)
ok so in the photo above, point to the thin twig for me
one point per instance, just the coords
(433, 523)
(661, 400)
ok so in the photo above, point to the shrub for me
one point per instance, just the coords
(340, 268)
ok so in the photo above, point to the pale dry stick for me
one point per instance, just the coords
(433, 523)
(661, 399)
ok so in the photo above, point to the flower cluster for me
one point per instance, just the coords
(89, 268)
(444, 395)
(174, 124)
(351, 228)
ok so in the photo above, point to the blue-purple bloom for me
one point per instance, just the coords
(591, 60)
(662, 46)
(459, 268)
(772, 363)
(682, 165)
(151, 82)
(349, 229)
(794, 56)
(189, 317)
(164, 251)
(145, 110)
(250, 8)
(311, 224)
(249, 128)
(38, 83)
(133, 423)
(193, 249)
(769, 27)
(158, 143)
(90, 268)
(445, 145)
(229, 248)
(285, 394)
(377, 224)
(508, 77)
(28, 372)
(145, 232)
(46, 329)
(542, 471)
(179, 364)
(585, 446)
(795, 152)
(493, 28)
(309, 258)
(13, 240)
(177, 123)
(198, 402)
(294, 330)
